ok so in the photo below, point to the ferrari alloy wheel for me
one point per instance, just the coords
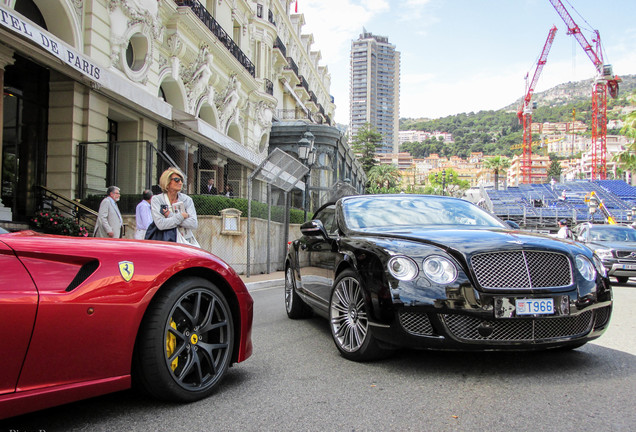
(294, 305)
(349, 320)
(186, 340)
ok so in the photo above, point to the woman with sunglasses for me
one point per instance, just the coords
(174, 209)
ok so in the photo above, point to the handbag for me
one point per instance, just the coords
(189, 240)
(154, 233)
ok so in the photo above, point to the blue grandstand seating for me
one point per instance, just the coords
(540, 205)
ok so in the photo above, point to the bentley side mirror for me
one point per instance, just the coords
(314, 228)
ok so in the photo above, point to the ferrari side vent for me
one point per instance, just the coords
(84, 272)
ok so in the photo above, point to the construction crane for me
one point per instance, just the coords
(605, 81)
(525, 111)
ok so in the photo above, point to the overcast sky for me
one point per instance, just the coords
(469, 55)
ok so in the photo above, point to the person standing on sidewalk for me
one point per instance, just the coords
(143, 215)
(109, 221)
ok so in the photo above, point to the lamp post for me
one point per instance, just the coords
(450, 179)
(307, 156)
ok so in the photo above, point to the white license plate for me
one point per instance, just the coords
(534, 306)
(628, 266)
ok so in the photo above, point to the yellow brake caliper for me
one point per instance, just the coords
(171, 345)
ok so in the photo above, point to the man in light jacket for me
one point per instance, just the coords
(143, 215)
(109, 221)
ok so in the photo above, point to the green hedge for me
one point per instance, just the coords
(208, 205)
(213, 204)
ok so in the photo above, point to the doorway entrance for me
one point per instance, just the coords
(24, 137)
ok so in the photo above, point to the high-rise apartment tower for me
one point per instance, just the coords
(375, 88)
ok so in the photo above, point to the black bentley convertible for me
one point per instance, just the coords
(420, 271)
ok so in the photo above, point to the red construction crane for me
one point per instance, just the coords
(525, 111)
(603, 82)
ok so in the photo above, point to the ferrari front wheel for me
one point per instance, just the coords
(185, 342)
(349, 320)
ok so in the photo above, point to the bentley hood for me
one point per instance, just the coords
(468, 241)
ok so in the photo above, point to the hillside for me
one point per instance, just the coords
(494, 132)
(572, 92)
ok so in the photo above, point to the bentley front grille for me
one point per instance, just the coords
(416, 323)
(467, 328)
(522, 270)
(602, 316)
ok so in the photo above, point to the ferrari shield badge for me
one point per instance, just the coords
(127, 269)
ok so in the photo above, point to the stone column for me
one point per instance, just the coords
(6, 59)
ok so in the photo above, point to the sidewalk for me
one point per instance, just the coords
(259, 281)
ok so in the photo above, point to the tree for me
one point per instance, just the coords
(554, 170)
(497, 164)
(383, 178)
(365, 144)
(452, 185)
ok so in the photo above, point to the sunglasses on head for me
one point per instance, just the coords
(177, 179)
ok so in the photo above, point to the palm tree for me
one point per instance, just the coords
(497, 164)
(384, 176)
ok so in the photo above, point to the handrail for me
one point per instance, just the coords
(83, 215)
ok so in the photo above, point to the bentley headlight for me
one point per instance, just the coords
(585, 267)
(439, 269)
(403, 268)
(599, 266)
(603, 253)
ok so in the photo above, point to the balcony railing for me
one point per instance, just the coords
(294, 114)
(269, 87)
(312, 97)
(281, 46)
(291, 64)
(303, 83)
(216, 29)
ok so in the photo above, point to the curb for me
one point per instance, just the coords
(251, 286)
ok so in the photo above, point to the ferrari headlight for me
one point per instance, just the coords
(603, 253)
(403, 268)
(585, 267)
(439, 269)
(599, 266)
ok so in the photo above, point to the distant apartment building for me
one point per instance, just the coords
(549, 128)
(375, 88)
(402, 160)
(420, 136)
(538, 170)
(582, 167)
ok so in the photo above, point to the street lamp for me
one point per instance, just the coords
(307, 155)
(450, 179)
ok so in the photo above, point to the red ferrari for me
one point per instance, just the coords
(83, 317)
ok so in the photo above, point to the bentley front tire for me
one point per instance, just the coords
(349, 322)
(185, 343)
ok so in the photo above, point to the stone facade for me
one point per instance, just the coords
(130, 87)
